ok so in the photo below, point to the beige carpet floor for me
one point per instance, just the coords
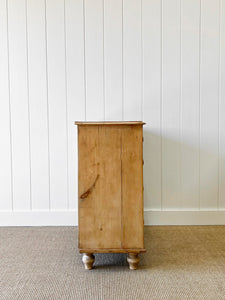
(181, 263)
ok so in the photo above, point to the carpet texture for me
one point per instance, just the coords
(182, 262)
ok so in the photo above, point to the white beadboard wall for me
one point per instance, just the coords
(162, 62)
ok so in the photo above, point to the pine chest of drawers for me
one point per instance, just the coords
(110, 189)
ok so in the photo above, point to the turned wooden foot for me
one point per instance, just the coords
(133, 260)
(88, 260)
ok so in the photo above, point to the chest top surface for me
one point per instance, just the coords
(110, 123)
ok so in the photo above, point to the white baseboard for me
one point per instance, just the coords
(39, 218)
(152, 217)
(70, 218)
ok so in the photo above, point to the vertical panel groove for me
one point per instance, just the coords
(132, 60)
(161, 104)
(142, 68)
(189, 115)
(200, 49)
(151, 35)
(19, 104)
(66, 99)
(209, 104)
(57, 104)
(222, 110)
(103, 54)
(112, 71)
(47, 104)
(122, 60)
(9, 91)
(219, 106)
(85, 81)
(171, 104)
(180, 108)
(94, 59)
(28, 106)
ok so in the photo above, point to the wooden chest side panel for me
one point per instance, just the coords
(132, 186)
(99, 188)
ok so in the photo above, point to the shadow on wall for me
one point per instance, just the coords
(179, 173)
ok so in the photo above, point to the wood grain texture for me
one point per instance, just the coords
(108, 206)
(99, 187)
(110, 187)
(87, 157)
(96, 250)
(132, 187)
